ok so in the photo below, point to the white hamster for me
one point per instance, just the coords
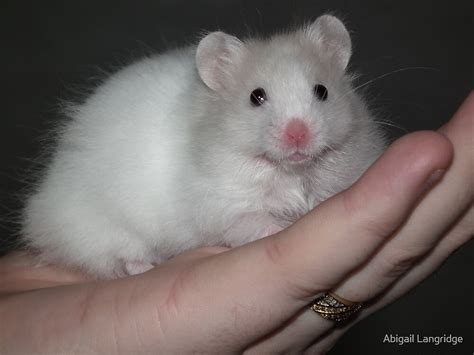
(216, 144)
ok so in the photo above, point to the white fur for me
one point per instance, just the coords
(163, 157)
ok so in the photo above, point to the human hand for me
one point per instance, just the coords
(214, 300)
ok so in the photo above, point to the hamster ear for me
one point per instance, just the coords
(217, 57)
(330, 34)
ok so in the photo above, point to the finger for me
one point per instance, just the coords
(427, 224)
(461, 233)
(300, 332)
(322, 346)
(20, 271)
(459, 129)
(308, 257)
(121, 311)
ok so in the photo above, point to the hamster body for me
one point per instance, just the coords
(216, 144)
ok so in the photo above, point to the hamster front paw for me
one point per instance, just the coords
(137, 267)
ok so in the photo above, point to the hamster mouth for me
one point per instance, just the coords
(296, 158)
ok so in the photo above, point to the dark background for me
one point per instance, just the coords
(51, 50)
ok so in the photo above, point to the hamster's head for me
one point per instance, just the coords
(284, 100)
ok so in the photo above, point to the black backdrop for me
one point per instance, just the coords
(50, 48)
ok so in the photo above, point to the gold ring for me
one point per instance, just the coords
(333, 307)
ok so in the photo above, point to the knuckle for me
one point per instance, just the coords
(296, 285)
(398, 262)
(85, 305)
(462, 232)
(274, 252)
(376, 227)
(351, 203)
(174, 299)
(361, 216)
(456, 239)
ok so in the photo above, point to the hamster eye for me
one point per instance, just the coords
(321, 92)
(258, 97)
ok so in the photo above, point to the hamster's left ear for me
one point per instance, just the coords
(218, 57)
(332, 38)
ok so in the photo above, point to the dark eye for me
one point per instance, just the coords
(258, 97)
(321, 92)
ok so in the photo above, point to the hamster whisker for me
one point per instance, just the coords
(335, 151)
(371, 81)
(394, 72)
(390, 124)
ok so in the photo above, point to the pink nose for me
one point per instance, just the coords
(296, 133)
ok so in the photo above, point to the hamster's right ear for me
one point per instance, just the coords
(218, 55)
(332, 37)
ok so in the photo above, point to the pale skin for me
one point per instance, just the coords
(254, 298)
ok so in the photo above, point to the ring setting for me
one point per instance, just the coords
(335, 308)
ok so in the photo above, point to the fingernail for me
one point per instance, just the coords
(434, 178)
